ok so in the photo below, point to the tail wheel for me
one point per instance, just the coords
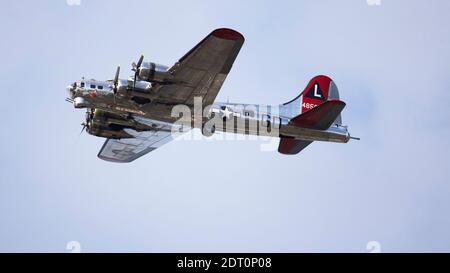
(208, 130)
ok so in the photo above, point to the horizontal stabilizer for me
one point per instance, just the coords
(320, 117)
(292, 146)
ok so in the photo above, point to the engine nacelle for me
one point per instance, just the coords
(109, 125)
(80, 102)
(99, 129)
(152, 72)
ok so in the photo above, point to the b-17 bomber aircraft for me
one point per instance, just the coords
(136, 115)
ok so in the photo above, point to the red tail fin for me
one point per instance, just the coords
(316, 92)
(319, 90)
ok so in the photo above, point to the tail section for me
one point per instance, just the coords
(320, 118)
(319, 90)
(317, 107)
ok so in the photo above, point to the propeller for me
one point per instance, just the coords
(84, 127)
(116, 83)
(135, 68)
(89, 116)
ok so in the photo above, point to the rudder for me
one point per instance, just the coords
(319, 90)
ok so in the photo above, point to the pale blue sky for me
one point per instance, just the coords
(390, 62)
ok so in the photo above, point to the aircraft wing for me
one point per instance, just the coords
(199, 73)
(202, 71)
(128, 149)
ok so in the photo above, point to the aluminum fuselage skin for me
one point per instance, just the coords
(238, 118)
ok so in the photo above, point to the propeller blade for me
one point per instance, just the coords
(136, 69)
(89, 116)
(116, 78)
(116, 83)
(141, 59)
(84, 127)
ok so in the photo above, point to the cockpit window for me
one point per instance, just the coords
(93, 86)
(82, 84)
(100, 87)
